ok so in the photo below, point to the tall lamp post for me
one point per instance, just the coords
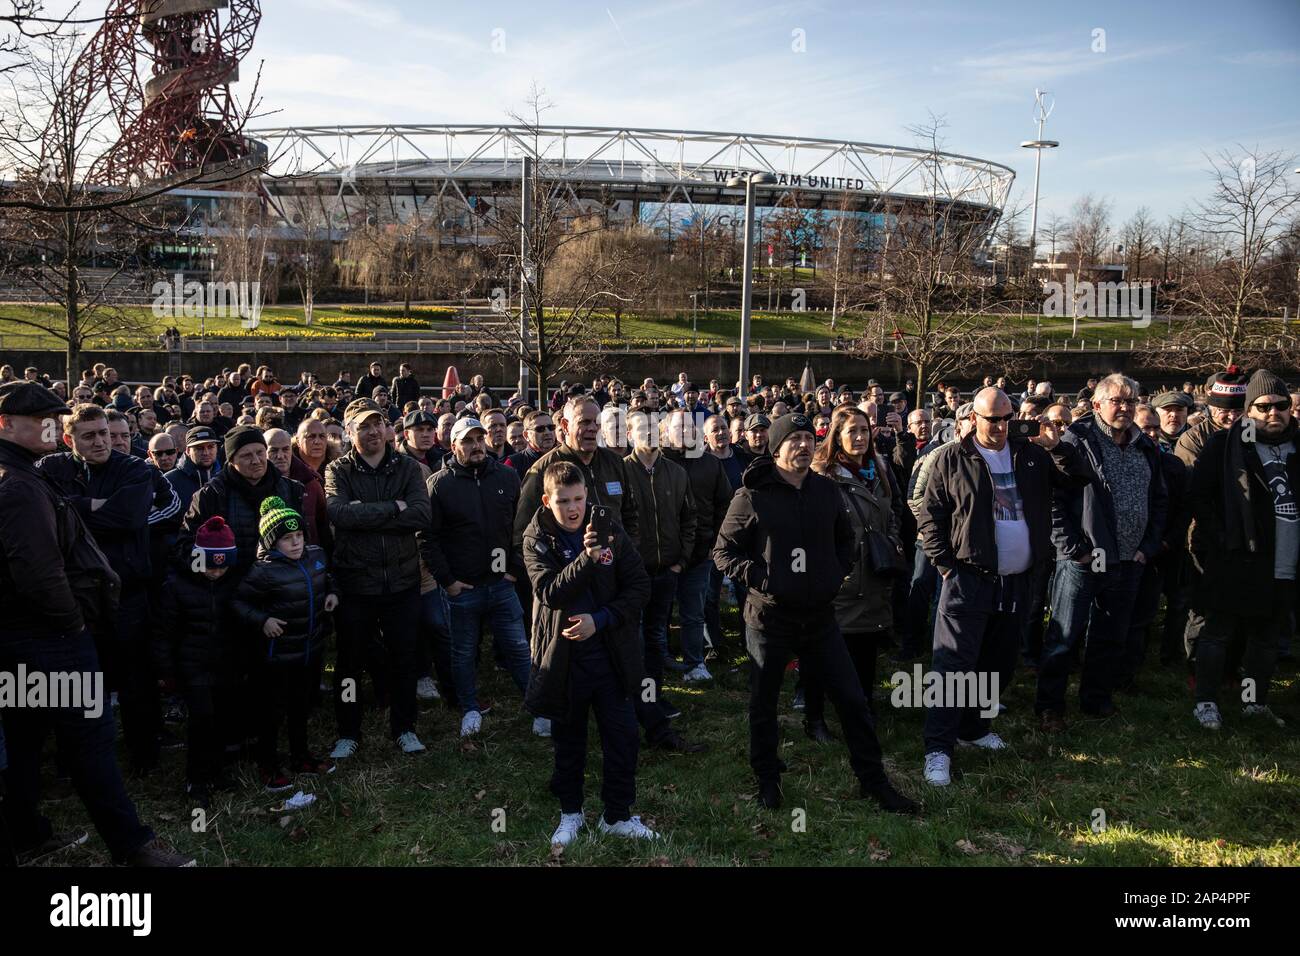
(1042, 109)
(746, 292)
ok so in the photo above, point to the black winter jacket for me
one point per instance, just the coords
(956, 518)
(404, 389)
(186, 479)
(712, 493)
(192, 636)
(294, 592)
(620, 585)
(230, 495)
(792, 547)
(374, 541)
(666, 510)
(607, 484)
(469, 536)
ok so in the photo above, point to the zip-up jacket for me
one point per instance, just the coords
(956, 519)
(186, 479)
(863, 605)
(792, 547)
(238, 501)
(666, 508)
(712, 493)
(403, 389)
(618, 585)
(294, 592)
(607, 484)
(1084, 521)
(374, 541)
(469, 536)
(193, 640)
(121, 524)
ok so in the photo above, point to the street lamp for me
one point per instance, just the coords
(746, 292)
(1043, 110)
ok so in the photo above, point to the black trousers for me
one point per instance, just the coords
(864, 649)
(128, 669)
(212, 708)
(282, 690)
(394, 620)
(593, 685)
(824, 660)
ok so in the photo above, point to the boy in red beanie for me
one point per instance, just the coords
(191, 644)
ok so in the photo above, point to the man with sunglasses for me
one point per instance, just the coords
(986, 519)
(1244, 544)
(1105, 538)
(539, 433)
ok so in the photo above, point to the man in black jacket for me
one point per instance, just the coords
(787, 536)
(467, 545)
(51, 576)
(115, 495)
(405, 388)
(376, 500)
(1105, 537)
(1244, 545)
(986, 519)
(367, 383)
(539, 434)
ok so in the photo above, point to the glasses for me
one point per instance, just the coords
(159, 452)
(1121, 402)
(543, 428)
(1279, 406)
(997, 419)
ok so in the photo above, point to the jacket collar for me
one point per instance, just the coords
(16, 456)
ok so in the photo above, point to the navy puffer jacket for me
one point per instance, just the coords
(294, 592)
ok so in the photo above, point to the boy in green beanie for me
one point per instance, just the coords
(284, 598)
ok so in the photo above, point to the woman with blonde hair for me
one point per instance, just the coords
(863, 608)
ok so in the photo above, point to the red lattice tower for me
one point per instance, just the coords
(167, 67)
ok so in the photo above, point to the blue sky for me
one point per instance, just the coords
(1175, 79)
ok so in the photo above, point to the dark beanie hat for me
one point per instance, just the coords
(1227, 388)
(242, 435)
(1262, 383)
(784, 427)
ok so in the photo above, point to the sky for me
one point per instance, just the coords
(1143, 89)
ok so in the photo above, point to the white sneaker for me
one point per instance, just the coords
(1207, 712)
(697, 675)
(632, 828)
(426, 689)
(541, 727)
(409, 743)
(938, 769)
(567, 831)
(471, 723)
(344, 747)
(1262, 710)
(987, 742)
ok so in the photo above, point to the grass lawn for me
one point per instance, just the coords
(1172, 794)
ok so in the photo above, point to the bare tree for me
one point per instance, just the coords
(308, 256)
(1139, 238)
(1231, 309)
(933, 311)
(1087, 233)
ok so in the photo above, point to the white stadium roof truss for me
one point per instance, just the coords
(626, 163)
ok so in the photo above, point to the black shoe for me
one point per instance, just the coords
(199, 795)
(798, 698)
(674, 742)
(56, 842)
(818, 731)
(769, 793)
(155, 854)
(669, 709)
(890, 800)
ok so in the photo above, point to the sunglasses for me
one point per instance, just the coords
(997, 419)
(543, 428)
(1278, 406)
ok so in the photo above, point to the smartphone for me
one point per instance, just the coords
(882, 415)
(1023, 428)
(602, 522)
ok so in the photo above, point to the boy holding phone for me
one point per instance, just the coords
(589, 585)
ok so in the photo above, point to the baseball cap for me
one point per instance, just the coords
(30, 399)
(201, 435)
(464, 427)
(360, 409)
(419, 417)
(757, 421)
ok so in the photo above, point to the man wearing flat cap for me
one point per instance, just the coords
(1173, 409)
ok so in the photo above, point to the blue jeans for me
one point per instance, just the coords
(1092, 609)
(712, 608)
(435, 650)
(85, 747)
(691, 588)
(498, 604)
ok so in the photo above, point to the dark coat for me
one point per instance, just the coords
(621, 586)
(792, 547)
(294, 592)
(666, 510)
(186, 479)
(313, 502)
(864, 604)
(712, 492)
(956, 518)
(469, 535)
(607, 484)
(404, 389)
(374, 542)
(230, 495)
(192, 636)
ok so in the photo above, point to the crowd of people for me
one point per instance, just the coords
(218, 547)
